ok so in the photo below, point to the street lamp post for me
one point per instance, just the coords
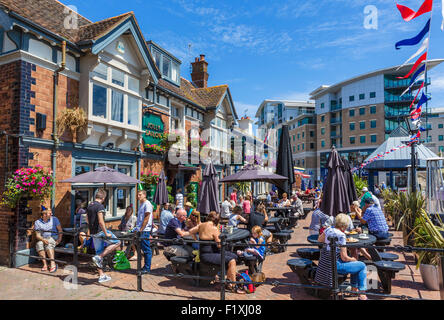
(413, 130)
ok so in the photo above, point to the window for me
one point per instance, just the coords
(133, 111)
(362, 96)
(175, 74)
(361, 111)
(373, 109)
(303, 162)
(362, 125)
(83, 168)
(303, 146)
(440, 126)
(441, 138)
(294, 149)
(322, 131)
(118, 77)
(294, 137)
(322, 105)
(133, 84)
(312, 145)
(303, 135)
(362, 139)
(351, 98)
(166, 67)
(311, 133)
(322, 118)
(101, 71)
(351, 112)
(373, 138)
(157, 57)
(99, 101)
(299, 136)
(322, 143)
(372, 94)
(117, 106)
(373, 124)
(298, 147)
(441, 149)
(352, 140)
(352, 126)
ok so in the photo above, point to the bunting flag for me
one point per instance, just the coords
(416, 74)
(417, 63)
(422, 86)
(423, 47)
(422, 100)
(415, 40)
(420, 78)
(408, 14)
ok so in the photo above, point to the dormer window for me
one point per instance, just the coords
(169, 68)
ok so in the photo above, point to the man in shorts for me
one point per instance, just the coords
(96, 223)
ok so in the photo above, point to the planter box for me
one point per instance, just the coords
(430, 276)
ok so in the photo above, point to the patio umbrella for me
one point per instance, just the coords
(335, 198)
(161, 195)
(103, 175)
(348, 176)
(209, 195)
(284, 166)
(302, 185)
(254, 173)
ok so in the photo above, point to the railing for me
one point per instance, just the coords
(334, 289)
(389, 84)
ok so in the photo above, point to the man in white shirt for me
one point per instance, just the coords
(179, 199)
(226, 208)
(145, 225)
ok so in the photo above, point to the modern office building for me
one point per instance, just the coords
(358, 114)
(435, 124)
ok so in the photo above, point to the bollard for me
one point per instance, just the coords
(223, 238)
(334, 269)
(139, 262)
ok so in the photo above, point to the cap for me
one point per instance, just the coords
(365, 189)
(188, 204)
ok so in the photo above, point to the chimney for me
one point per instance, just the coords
(199, 74)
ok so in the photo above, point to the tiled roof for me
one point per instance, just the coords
(204, 97)
(52, 15)
(98, 29)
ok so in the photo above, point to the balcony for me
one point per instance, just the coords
(335, 135)
(404, 83)
(336, 120)
(391, 98)
(335, 107)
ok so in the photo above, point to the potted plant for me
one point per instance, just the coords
(410, 206)
(32, 183)
(149, 180)
(72, 119)
(427, 235)
(359, 184)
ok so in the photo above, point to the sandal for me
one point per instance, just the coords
(54, 269)
(362, 298)
(43, 269)
(234, 289)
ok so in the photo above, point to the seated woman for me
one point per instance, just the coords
(235, 217)
(258, 251)
(49, 234)
(80, 219)
(344, 263)
(127, 223)
(193, 220)
(284, 202)
(210, 253)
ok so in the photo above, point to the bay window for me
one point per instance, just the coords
(115, 96)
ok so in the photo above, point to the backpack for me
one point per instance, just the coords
(248, 287)
(121, 261)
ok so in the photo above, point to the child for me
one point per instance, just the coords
(235, 217)
(257, 238)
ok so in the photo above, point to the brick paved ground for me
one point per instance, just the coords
(29, 283)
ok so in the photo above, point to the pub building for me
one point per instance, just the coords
(131, 91)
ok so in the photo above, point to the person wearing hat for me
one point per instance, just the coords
(368, 194)
(48, 232)
(188, 208)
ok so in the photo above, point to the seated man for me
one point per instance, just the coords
(318, 220)
(299, 207)
(49, 234)
(373, 216)
(176, 227)
(165, 217)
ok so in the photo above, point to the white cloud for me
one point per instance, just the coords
(243, 109)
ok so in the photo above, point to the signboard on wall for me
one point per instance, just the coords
(154, 128)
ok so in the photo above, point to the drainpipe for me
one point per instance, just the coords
(54, 124)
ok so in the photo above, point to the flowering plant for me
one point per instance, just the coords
(149, 177)
(155, 148)
(34, 183)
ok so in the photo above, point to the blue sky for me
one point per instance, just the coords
(279, 49)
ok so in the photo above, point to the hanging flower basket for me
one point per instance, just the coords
(149, 178)
(32, 183)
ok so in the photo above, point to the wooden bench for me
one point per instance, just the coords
(309, 253)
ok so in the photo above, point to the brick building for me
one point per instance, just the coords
(130, 89)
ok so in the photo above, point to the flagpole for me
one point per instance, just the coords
(426, 69)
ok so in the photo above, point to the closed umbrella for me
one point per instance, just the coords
(348, 177)
(310, 185)
(302, 185)
(209, 196)
(284, 165)
(161, 195)
(335, 198)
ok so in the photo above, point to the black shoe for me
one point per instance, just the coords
(144, 271)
